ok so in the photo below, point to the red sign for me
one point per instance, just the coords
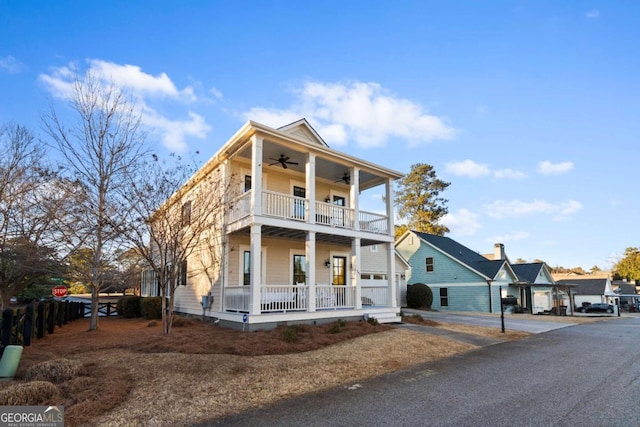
(59, 291)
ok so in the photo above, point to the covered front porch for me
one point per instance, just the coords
(302, 274)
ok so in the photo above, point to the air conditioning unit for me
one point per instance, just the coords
(206, 301)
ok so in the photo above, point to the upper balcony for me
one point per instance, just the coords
(294, 208)
(289, 179)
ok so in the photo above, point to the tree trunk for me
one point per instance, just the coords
(5, 300)
(95, 300)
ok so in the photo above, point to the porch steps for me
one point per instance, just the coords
(386, 317)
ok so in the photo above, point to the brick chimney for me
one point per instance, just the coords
(498, 251)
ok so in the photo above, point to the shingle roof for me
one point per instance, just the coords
(625, 287)
(586, 286)
(527, 272)
(463, 254)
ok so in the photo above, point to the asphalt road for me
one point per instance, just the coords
(586, 375)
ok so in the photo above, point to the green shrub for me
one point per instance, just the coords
(334, 328)
(419, 296)
(373, 321)
(151, 307)
(337, 326)
(290, 334)
(129, 307)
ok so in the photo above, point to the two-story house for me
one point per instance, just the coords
(293, 234)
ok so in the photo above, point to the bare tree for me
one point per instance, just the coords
(173, 222)
(103, 143)
(28, 200)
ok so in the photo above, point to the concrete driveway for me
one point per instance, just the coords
(511, 321)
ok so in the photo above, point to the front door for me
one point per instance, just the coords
(339, 278)
(298, 204)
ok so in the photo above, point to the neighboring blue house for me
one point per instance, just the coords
(539, 293)
(460, 278)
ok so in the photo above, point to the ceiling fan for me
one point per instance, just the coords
(283, 160)
(346, 178)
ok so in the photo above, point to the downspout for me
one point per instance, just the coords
(490, 297)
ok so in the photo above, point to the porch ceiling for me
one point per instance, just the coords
(326, 168)
(291, 234)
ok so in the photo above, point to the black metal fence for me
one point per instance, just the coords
(21, 325)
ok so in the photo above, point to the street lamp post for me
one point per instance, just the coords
(501, 309)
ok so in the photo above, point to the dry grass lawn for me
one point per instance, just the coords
(132, 375)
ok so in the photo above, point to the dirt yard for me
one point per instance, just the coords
(133, 375)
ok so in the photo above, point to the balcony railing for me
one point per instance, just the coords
(284, 206)
(334, 215)
(295, 208)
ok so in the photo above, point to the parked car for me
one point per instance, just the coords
(598, 308)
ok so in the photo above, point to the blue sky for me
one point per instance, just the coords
(529, 108)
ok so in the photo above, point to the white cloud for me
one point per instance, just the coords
(11, 65)
(363, 112)
(174, 132)
(476, 170)
(462, 223)
(509, 237)
(216, 93)
(548, 168)
(508, 174)
(592, 14)
(145, 89)
(468, 168)
(516, 208)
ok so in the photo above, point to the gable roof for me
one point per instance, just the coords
(301, 129)
(586, 286)
(464, 255)
(528, 272)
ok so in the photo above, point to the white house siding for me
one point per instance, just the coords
(374, 267)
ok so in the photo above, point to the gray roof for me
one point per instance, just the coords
(527, 272)
(586, 286)
(625, 287)
(463, 254)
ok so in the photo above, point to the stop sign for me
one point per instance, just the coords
(59, 291)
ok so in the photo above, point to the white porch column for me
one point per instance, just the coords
(354, 196)
(355, 270)
(256, 269)
(256, 175)
(389, 200)
(391, 274)
(310, 257)
(310, 183)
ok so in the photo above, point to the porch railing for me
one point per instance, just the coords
(283, 298)
(375, 295)
(237, 298)
(335, 296)
(279, 298)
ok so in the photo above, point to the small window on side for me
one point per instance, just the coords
(429, 264)
(185, 216)
(444, 297)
